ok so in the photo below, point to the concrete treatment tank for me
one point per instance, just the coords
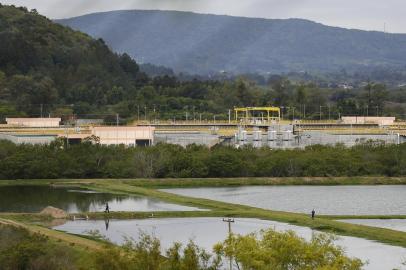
(244, 135)
(271, 135)
(287, 135)
(241, 135)
(257, 134)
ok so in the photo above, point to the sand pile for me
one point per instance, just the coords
(54, 212)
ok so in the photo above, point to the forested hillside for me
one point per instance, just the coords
(49, 68)
(202, 43)
(45, 63)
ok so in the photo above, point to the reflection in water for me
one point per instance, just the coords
(329, 200)
(206, 232)
(31, 199)
(107, 222)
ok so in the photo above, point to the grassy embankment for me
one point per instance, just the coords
(21, 247)
(81, 243)
(234, 210)
(224, 182)
(303, 181)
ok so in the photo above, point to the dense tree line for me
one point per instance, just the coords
(96, 161)
(46, 68)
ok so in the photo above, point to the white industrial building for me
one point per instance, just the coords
(126, 135)
(33, 122)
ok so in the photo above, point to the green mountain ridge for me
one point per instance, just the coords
(204, 43)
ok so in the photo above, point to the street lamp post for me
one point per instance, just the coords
(320, 112)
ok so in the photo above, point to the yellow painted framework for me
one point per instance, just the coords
(272, 113)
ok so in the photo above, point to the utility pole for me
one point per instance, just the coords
(154, 114)
(369, 88)
(117, 119)
(282, 112)
(329, 118)
(229, 221)
(145, 113)
(67, 137)
(229, 116)
(304, 111)
(320, 112)
(41, 109)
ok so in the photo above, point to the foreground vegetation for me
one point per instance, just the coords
(171, 161)
(22, 249)
(268, 251)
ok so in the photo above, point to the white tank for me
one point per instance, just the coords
(271, 135)
(287, 135)
(244, 135)
(241, 135)
(257, 135)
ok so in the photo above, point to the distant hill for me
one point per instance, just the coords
(44, 64)
(197, 43)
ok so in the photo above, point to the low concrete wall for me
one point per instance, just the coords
(33, 122)
(383, 121)
(27, 139)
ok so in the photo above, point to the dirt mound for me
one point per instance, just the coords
(54, 212)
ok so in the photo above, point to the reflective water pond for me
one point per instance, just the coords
(32, 199)
(208, 231)
(393, 224)
(329, 200)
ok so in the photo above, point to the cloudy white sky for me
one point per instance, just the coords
(361, 14)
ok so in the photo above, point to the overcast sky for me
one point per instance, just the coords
(361, 14)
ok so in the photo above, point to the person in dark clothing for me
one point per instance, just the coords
(313, 213)
(107, 208)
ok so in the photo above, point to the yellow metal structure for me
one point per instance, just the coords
(257, 114)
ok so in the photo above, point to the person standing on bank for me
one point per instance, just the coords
(313, 213)
(107, 208)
